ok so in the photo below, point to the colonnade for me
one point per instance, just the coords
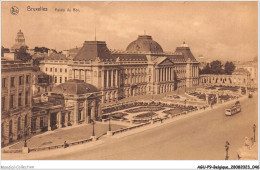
(164, 74)
(110, 78)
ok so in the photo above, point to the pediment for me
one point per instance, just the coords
(165, 62)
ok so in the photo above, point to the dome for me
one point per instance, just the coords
(144, 43)
(74, 87)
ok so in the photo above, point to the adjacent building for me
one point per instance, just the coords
(16, 95)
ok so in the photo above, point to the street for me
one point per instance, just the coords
(200, 137)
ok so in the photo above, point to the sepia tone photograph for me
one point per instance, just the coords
(175, 80)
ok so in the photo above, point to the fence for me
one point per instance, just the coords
(59, 146)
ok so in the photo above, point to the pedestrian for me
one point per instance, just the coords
(161, 120)
(65, 145)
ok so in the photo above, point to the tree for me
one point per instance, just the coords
(216, 67)
(206, 69)
(41, 49)
(21, 54)
(229, 67)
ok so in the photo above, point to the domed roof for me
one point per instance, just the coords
(74, 87)
(144, 43)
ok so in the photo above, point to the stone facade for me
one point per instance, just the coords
(16, 100)
(142, 69)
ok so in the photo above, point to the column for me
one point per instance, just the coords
(107, 78)
(116, 83)
(161, 75)
(59, 120)
(79, 74)
(157, 75)
(76, 110)
(112, 78)
(93, 109)
(165, 76)
(102, 79)
(85, 75)
(168, 73)
(49, 121)
(74, 74)
(66, 118)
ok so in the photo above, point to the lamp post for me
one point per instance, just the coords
(25, 135)
(109, 125)
(93, 131)
(254, 127)
(227, 148)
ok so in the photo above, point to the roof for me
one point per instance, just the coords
(56, 56)
(185, 50)
(92, 50)
(144, 43)
(241, 71)
(74, 87)
(130, 57)
(177, 58)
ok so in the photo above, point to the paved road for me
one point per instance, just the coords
(200, 137)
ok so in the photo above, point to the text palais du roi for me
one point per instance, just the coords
(29, 8)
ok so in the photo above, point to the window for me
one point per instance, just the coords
(3, 103)
(79, 115)
(3, 82)
(55, 69)
(41, 122)
(55, 79)
(69, 116)
(10, 127)
(33, 125)
(26, 98)
(50, 69)
(65, 70)
(11, 101)
(150, 70)
(19, 124)
(20, 99)
(12, 81)
(27, 79)
(60, 69)
(60, 79)
(25, 122)
(65, 79)
(20, 80)
(39, 89)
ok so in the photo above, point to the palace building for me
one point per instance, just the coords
(144, 68)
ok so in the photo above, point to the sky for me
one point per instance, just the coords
(215, 30)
